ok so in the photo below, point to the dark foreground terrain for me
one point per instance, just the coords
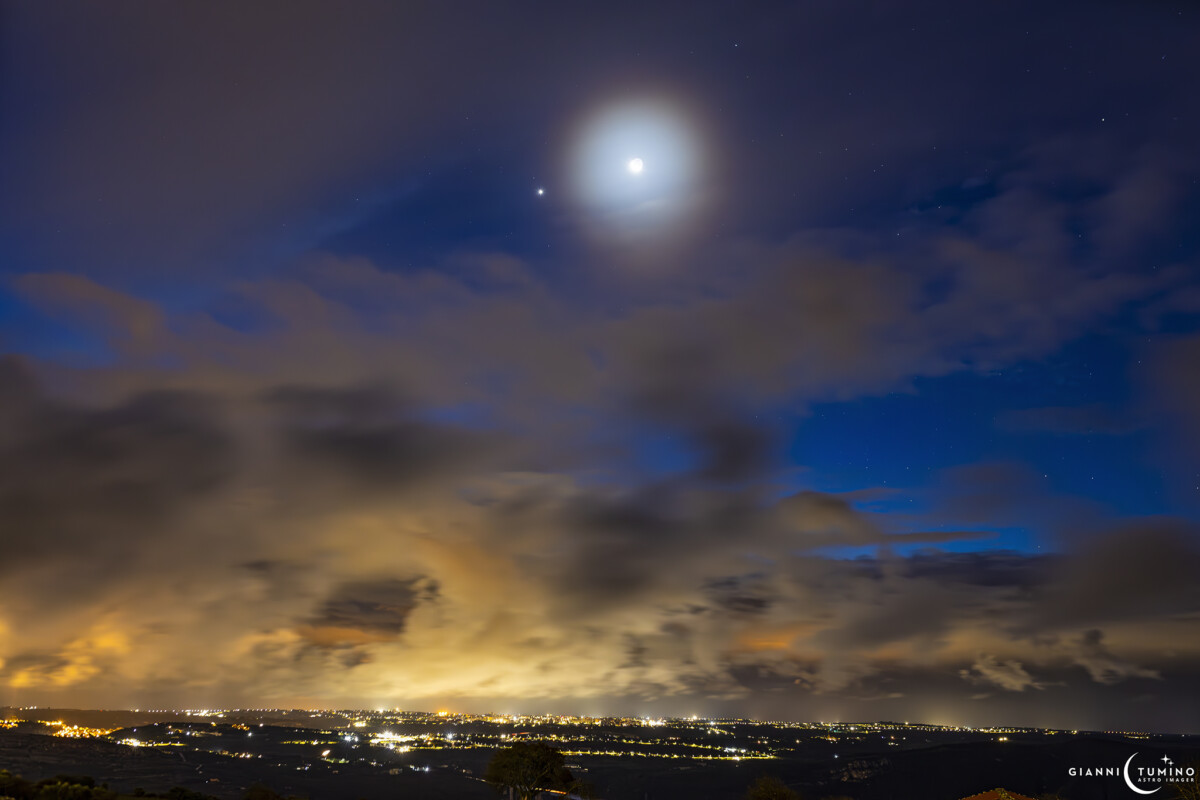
(128, 769)
(345, 757)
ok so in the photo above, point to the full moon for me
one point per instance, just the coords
(637, 170)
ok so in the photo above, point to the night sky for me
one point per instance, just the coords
(348, 359)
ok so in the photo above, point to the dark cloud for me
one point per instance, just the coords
(675, 386)
(1006, 493)
(1102, 666)
(127, 468)
(1137, 572)
(740, 595)
(993, 568)
(732, 451)
(369, 435)
(367, 611)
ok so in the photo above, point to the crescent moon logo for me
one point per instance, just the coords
(1129, 783)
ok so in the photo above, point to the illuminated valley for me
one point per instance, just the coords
(322, 753)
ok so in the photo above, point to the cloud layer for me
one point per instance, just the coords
(429, 498)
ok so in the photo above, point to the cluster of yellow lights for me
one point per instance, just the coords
(131, 742)
(690, 757)
(362, 720)
(228, 754)
(82, 732)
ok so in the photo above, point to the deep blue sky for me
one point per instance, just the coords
(879, 382)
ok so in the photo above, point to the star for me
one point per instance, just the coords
(541, 192)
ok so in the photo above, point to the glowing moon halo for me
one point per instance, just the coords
(636, 170)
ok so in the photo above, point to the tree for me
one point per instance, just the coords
(260, 792)
(1189, 789)
(528, 768)
(59, 790)
(767, 788)
(182, 793)
(14, 786)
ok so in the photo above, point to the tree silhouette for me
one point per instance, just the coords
(1189, 789)
(766, 788)
(528, 768)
